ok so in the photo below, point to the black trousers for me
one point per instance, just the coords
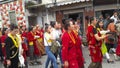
(109, 45)
(14, 62)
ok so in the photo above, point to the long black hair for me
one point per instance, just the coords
(97, 25)
(52, 23)
(3, 31)
(67, 24)
(46, 27)
(92, 19)
(13, 26)
(31, 28)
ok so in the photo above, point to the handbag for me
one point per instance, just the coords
(54, 46)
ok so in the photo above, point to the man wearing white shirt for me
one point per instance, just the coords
(115, 17)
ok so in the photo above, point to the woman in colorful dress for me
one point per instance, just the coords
(94, 39)
(100, 29)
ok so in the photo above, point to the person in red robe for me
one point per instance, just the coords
(118, 47)
(24, 44)
(30, 37)
(34, 51)
(80, 57)
(39, 40)
(69, 51)
(94, 43)
(5, 31)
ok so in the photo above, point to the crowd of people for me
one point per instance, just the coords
(61, 40)
(103, 36)
(17, 43)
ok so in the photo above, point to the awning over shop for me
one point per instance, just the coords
(65, 3)
(106, 7)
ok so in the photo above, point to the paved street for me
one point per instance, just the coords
(87, 59)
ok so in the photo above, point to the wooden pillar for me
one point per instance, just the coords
(87, 12)
(59, 16)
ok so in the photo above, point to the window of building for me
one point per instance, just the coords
(12, 17)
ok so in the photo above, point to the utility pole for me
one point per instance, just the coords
(118, 7)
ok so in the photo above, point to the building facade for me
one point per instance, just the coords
(12, 12)
(56, 10)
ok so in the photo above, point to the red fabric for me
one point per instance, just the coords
(24, 45)
(118, 47)
(69, 51)
(96, 54)
(36, 50)
(73, 64)
(118, 50)
(3, 38)
(3, 48)
(80, 58)
(90, 36)
(42, 33)
(24, 34)
(3, 41)
(30, 37)
(94, 45)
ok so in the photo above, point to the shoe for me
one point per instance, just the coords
(39, 62)
(51, 66)
(110, 61)
(31, 63)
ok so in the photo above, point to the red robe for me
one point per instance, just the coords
(94, 45)
(69, 51)
(3, 47)
(39, 42)
(42, 33)
(30, 38)
(118, 47)
(80, 57)
(24, 45)
(32, 42)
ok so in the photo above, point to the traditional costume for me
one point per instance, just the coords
(39, 42)
(80, 57)
(3, 37)
(118, 47)
(24, 44)
(69, 50)
(94, 48)
(30, 37)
